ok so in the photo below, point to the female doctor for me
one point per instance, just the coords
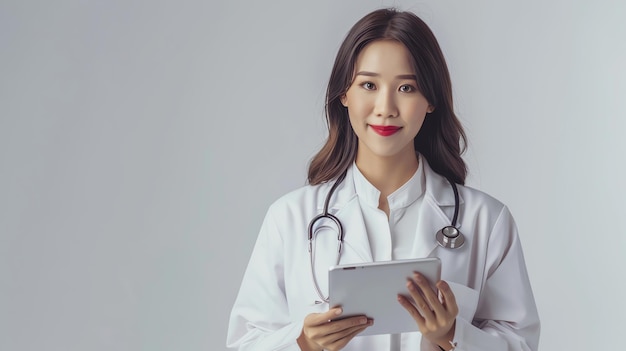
(394, 141)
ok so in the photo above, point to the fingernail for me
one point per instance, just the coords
(338, 311)
(419, 278)
(410, 285)
(363, 320)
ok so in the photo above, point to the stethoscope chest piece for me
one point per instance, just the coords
(450, 238)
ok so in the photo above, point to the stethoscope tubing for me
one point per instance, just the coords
(340, 235)
(448, 237)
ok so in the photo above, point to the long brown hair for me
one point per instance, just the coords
(441, 140)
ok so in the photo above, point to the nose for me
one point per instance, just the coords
(385, 104)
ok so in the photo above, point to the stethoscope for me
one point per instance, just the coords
(448, 237)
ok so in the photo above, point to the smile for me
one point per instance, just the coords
(385, 130)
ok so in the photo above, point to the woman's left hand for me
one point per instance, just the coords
(435, 318)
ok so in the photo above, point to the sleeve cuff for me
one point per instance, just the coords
(467, 337)
(284, 339)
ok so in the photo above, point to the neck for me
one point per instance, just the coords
(387, 174)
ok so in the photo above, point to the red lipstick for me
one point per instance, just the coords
(385, 130)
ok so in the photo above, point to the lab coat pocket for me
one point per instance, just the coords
(466, 299)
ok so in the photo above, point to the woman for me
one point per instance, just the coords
(393, 140)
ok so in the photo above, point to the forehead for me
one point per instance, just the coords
(384, 56)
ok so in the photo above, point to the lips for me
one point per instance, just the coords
(385, 130)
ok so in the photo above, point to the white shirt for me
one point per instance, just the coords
(391, 238)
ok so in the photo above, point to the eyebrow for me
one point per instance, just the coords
(401, 76)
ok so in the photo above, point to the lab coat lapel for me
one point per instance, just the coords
(356, 247)
(356, 244)
(438, 199)
(345, 206)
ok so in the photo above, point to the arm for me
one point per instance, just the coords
(260, 317)
(506, 318)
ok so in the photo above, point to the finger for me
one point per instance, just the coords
(339, 330)
(316, 319)
(342, 342)
(342, 327)
(429, 294)
(315, 324)
(406, 303)
(420, 303)
(330, 331)
(449, 300)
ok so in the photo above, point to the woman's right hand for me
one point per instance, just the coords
(320, 332)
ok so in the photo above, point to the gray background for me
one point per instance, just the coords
(142, 142)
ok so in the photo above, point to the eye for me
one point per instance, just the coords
(407, 88)
(368, 86)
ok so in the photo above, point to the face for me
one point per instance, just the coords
(386, 110)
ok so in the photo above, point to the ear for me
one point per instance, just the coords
(430, 109)
(344, 100)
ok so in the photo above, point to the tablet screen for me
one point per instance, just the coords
(371, 289)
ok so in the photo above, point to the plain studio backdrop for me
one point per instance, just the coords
(142, 142)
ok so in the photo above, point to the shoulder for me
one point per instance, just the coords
(300, 199)
(481, 199)
(311, 198)
(491, 215)
(486, 206)
(441, 191)
(288, 217)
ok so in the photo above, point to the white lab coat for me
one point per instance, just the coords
(488, 275)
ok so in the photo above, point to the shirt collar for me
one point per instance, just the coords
(404, 196)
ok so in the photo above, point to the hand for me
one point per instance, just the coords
(320, 333)
(435, 318)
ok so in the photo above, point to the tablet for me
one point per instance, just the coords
(371, 289)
